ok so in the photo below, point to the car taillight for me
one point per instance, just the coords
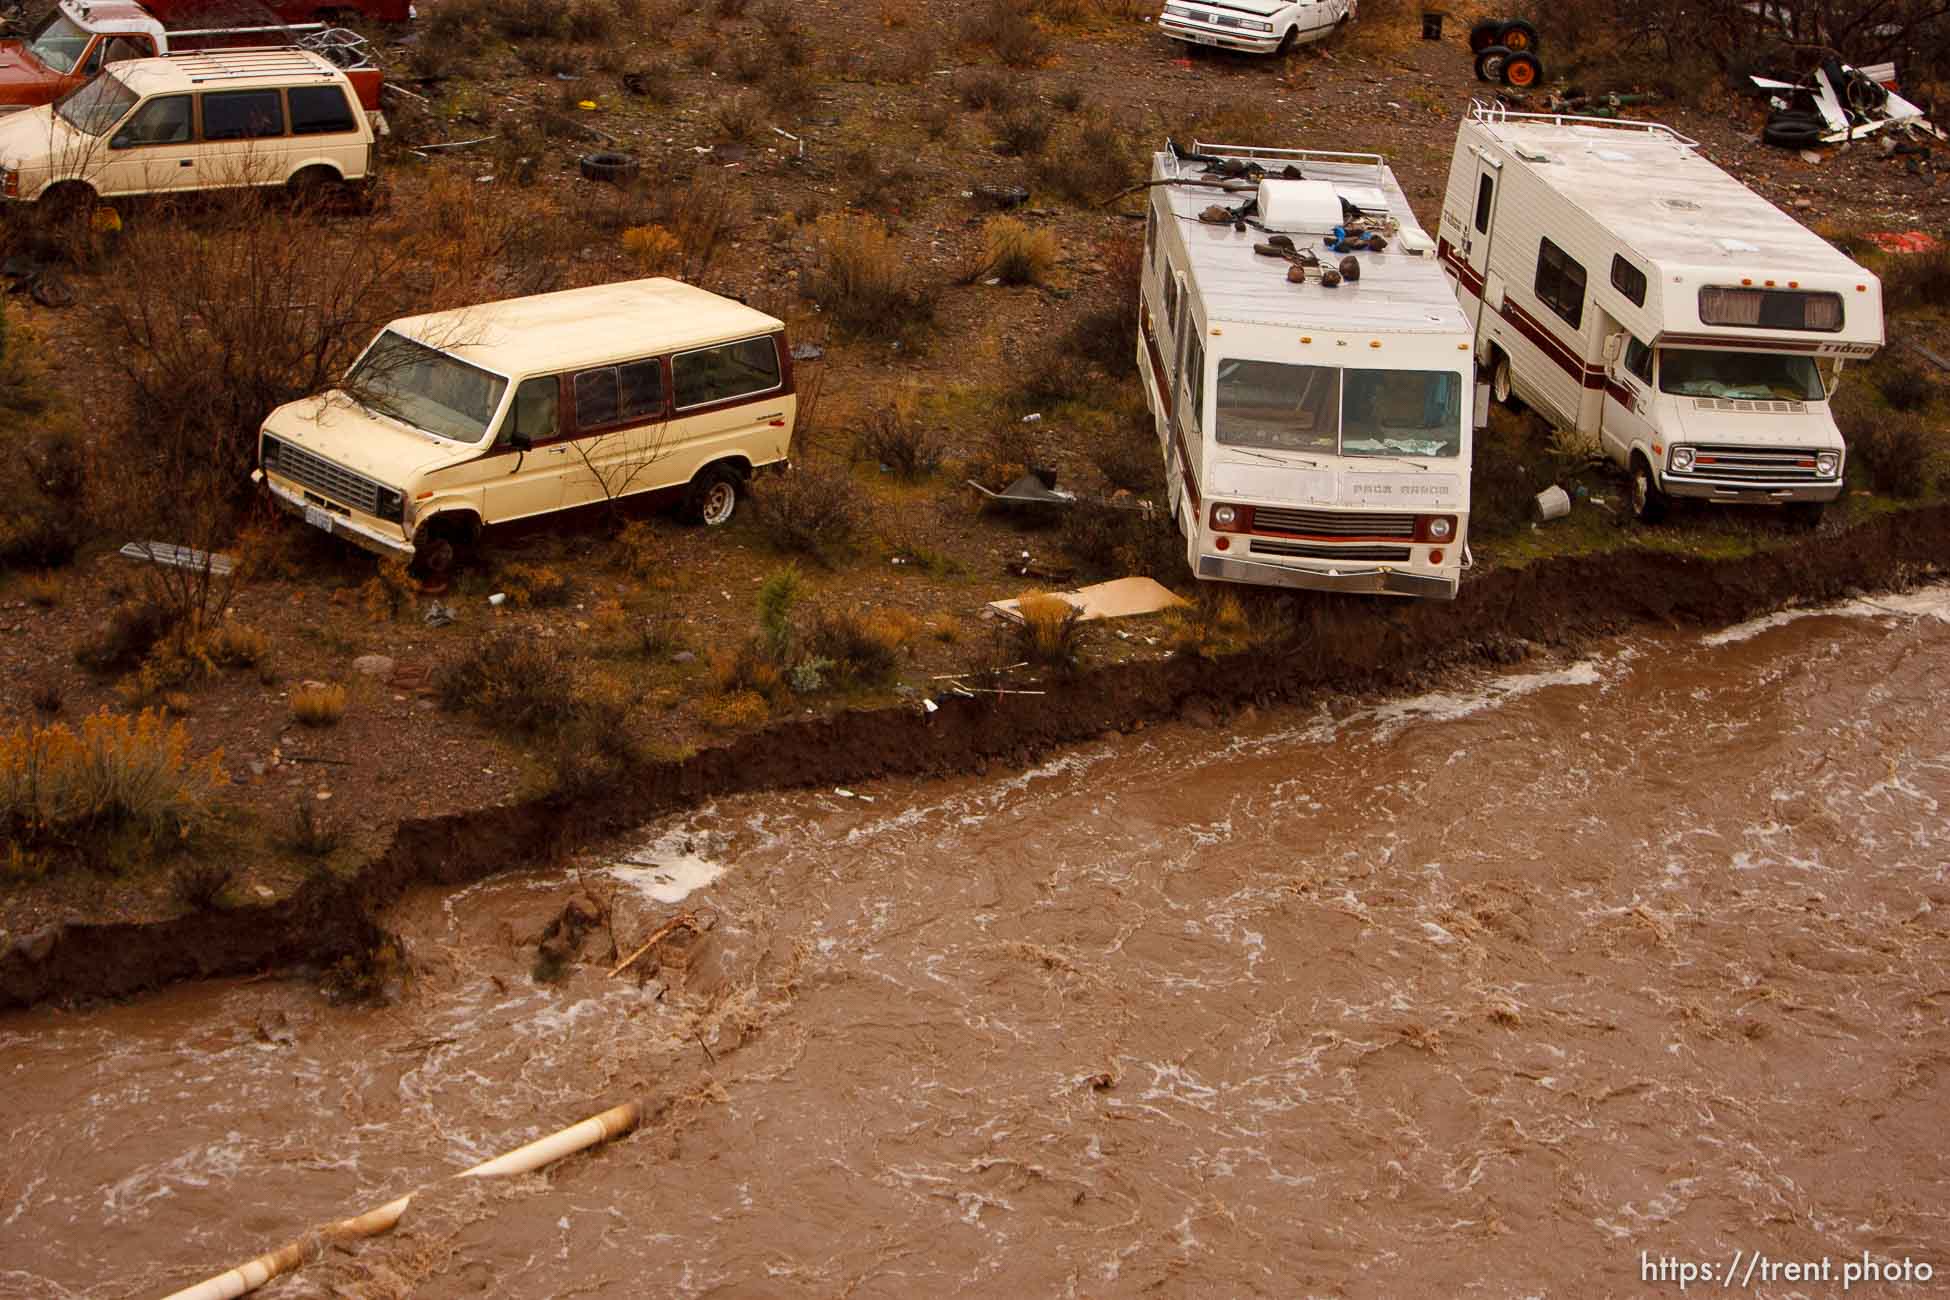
(1232, 519)
(10, 183)
(1435, 528)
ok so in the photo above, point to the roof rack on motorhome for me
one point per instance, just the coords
(1492, 115)
(1249, 151)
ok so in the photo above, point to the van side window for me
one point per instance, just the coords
(243, 115)
(1638, 360)
(160, 121)
(1560, 283)
(533, 412)
(596, 399)
(724, 372)
(1485, 191)
(320, 110)
(1628, 280)
(641, 385)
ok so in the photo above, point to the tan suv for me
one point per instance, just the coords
(460, 420)
(190, 122)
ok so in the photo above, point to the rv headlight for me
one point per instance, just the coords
(1828, 463)
(1224, 516)
(1441, 528)
(1255, 25)
(1682, 458)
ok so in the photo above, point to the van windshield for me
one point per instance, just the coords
(58, 43)
(1275, 406)
(1696, 372)
(96, 105)
(426, 388)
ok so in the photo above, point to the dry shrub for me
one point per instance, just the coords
(817, 511)
(730, 8)
(535, 586)
(733, 712)
(1913, 280)
(739, 118)
(1010, 29)
(863, 650)
(47, 697)
(638, 550)
(903, 62)
(124, 639)
(1907, 389)
(747, 669)
(1124, 540)
(1106, 336)
(199, 886)
(654, 250)
(985, 88)
(44, 590)
(895, 438)
(790, 88)
(1089, 162)
(1022, 131)
(1895, 451)
(749, 62)
(1129, 458)
(117, 771)
(318, 706)
(944, 627)
(1050, 631)
(704, 211)
(239, 645)
(880, 183)
(389, 592)
(509, 679)
(1214, 627)
(309, 834)
(866, 283)
(1013, 253)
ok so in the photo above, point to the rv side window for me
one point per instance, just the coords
(1194, 377)
(1150, 234)
(1171, 300)
(1638, 360)
(1771, 309)
(1560, 283)
(1485, 191)
(1628, 280)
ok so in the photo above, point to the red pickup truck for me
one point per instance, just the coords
(73, 43)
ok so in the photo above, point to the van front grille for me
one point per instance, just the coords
(1333, 523)
(1755, 464)
(322, 476)
(1304, 551)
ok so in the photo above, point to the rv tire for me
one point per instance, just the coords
(1648, 502)
(1489, 63)
(1501, 387)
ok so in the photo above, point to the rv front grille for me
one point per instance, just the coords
(1755, 464)
(321, 475)
(1768, 407)
(1305, 551)
(1332, 523)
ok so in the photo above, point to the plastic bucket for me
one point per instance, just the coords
(1553, 503)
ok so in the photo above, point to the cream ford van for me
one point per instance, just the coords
(460, 420)
(200, 121)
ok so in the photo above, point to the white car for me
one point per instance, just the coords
(1255, 26)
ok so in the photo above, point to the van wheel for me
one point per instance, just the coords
(439, 547)
(311, 186)
(711, 498)
(68, 200)
(1648, 502)
(1490, 61)
(1804, 515)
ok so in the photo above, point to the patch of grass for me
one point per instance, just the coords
(1022, 131)
(199, 886)
(239, 645)
(1214, 627)
(866, 283)
(534, 586)
(1013, 253)
(318, 706)
(309, 834)
(811, 510)
(45, 590)
(897, 439)
(733, 712)
(1051, 630)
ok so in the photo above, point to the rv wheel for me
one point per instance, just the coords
(1521, 71)
(1485, 34)
(1648, 502)
(1500, 385)
(1517, 35)
(1489, 63)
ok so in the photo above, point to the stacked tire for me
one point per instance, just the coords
(1506, 52)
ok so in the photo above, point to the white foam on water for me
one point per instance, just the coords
(1924, 602)
(670, 868)
(1449, 706)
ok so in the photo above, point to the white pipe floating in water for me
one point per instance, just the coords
(245, 1278)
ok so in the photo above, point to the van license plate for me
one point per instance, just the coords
(1205, 40)
(318, 518)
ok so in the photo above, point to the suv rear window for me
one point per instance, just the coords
(242, 115)
(319, 110)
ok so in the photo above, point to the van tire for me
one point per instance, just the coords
(68, 199)
(1648, 502)
(711, 499)
(1490, 61)
(441, 545)
(311, 186)
(1517, 34)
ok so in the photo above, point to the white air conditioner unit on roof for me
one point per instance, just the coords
(1295, 206)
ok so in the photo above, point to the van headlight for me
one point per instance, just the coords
(389, 504)
(1682, 458)
(267, 455)
(1828, 463)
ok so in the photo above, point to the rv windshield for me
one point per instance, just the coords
(96, 105)
(1274, 406)
(1694, 372)
(425, 388)
(59, 43)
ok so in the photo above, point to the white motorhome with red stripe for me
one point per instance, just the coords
(1628, 288)
(1315, 427)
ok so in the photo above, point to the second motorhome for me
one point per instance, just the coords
(1315, 424)
(1631, 290)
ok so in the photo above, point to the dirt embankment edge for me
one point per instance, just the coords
(1345, 646)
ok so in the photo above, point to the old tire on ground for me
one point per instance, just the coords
(1489, 63)
(711, 498)
(1792, 131)
(50, 289)
(1484, 34)
(1804, 515)
(1521, 70)
(1648, 502)
(1517, 35)
(608, 166)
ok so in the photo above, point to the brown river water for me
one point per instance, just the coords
(1479, 993)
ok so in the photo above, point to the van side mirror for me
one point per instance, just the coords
(521, 441)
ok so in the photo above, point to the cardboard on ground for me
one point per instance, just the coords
(1123, 598)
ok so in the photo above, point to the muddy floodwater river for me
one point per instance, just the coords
(1504, 990)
